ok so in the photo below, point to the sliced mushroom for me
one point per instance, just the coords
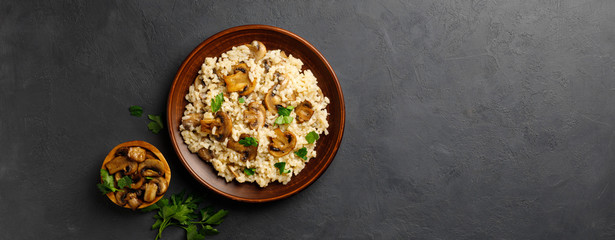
(123, 151)
(239, 81)
(254, 116)
(198, 81)
(267, 65)
(205, 154)
(283, 143)
(120, 198)
(137, 183)
(118, 175)
(222, 123)
(151, 168)
(136, 154)
(219, 74)
(272, 99)
(247, 152)
(133, 201)
(121, 163)
(304, 111)
(162, 185)
(150, 192)
(149, 154)
(258, 50)
(192, 120)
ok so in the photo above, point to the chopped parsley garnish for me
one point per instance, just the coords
(281, 166)
(302, 153)
(312, 137)
(156, 123)
(183, 211)
(249, 141)
(249, 171)
(284, 113)
(135, 110)
(125, 181)
(107, 184)
(216, 102)
(242, 100)
(283, 120)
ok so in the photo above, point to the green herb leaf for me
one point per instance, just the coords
(281, 166)
(242, 100)
(192, 233)
(216, 102)
(217, 218)
(107, 184)
(285, 111)
(125, 181)
(249, 141)
(302, 152)
(182, 210)
(249, 171)
(312, 137)
(208, 230)
(283, 120)
(136, 110)
(156, 123)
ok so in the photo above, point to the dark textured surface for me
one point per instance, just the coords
(465, 119)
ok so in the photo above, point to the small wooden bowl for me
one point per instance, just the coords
(150, 148)
(273, 38)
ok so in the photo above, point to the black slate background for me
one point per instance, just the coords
(465, 119)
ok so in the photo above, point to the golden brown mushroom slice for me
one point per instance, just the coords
(133, 200)
(239, 81)
(247, 152)
(304, 111)
(192, 120)
(223, 124)
(283, 143)
(121, 163)
(254, 116)
(272, 100)
(258, 50)
(205, 154)
(151, 168)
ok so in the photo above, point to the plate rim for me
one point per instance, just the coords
(184, 65)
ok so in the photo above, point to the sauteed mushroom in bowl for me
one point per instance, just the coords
(140, 174)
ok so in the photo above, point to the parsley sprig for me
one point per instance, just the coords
(280, 166)
(135, 110)
(156, 123)
(107, 184)
(248, 141)
(216, 102)
(182, 210)
(312, 137)
(284, 113)
(302, 153)
(249, 171)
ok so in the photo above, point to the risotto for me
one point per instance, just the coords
(255, 115)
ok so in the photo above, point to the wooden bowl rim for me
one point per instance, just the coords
(256, 27)
(152, 149)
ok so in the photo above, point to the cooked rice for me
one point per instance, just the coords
(227, 162)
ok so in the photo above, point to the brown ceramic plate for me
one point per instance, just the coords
(273, 38)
